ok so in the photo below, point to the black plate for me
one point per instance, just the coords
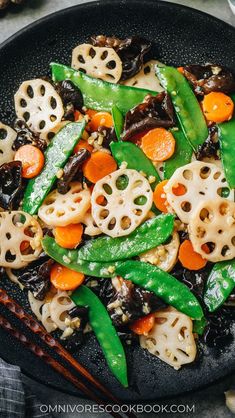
(181, 36)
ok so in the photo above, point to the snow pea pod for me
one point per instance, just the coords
(56, 155)
(165, 286)
(186, 106)
(148, 235)
(105, 332)
(118, 121)
(99, 94)
(227, 146)
(220, 284)
(69, 258)
(182, 155)
(135, 159)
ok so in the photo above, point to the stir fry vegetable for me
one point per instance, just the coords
(186, 105)
(163, 285)
(220, 284)
(69, 258)
(99, 94)
(127, 152)
(105, 332)
(182, 155)
(56, 156)
(226, 138)
(148, 235)
(118, 121)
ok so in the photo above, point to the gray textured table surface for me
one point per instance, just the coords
(208, 402)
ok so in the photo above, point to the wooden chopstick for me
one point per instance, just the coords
(47, 338)
(4, 323)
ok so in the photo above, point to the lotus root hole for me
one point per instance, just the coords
(223, 209)
(217, 175)
(125, 222)
(188, 174)
(3, 134)
(205, 215)
(30, 92)
(205, 172)
(186, 206)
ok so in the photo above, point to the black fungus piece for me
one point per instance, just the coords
(130, 50)
(218, 332)
(208, 78)
(127, 336)
(155, 111)
(26, 136)
(71, 169)
(128, 303)
(210, 148)
(76, 340)
(71, 97)
(108, 135)
(36, 276)
(11, 185)
(80, 312)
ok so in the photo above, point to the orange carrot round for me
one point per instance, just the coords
(189, 258)
(159, 196)
(99, 165)
(82, 144)
(217, 107)
(143, 325)
(91, 112)
(158, 144)
(32, 160)
(65, 279)
(68, 236)
(181, 70)
(100, 119)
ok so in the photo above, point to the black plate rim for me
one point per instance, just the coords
(53, 15)
(34, 25)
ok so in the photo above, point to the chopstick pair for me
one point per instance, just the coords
(37, 329)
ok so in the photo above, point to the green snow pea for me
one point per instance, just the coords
(148, 235)
(118, 121)
(69, 258)
(165, 286)
(56, 155)
(135, 159)
(182, 155)
(227, 146)
(99, 94)
(220, 284)
(186, 106)
(199, 325)
(105, 332)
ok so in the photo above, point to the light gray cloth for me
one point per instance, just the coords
(15, 398)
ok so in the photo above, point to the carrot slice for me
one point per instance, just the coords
(91, 112)
(217, 107)
(143, 325)
(68, 236)
(65, 279)
(159, 196)
(83, 144)
(100, 119)
(32, 160)
(158, 144)
(189, 258)
(99, 165)
(181, 70)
